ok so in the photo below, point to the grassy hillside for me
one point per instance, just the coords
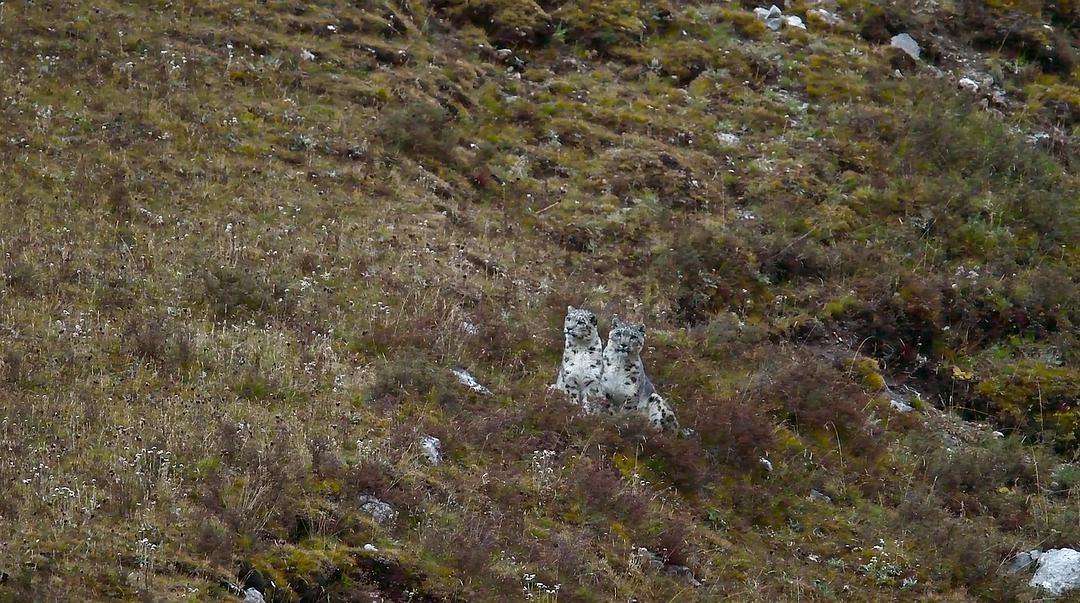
(244, 243)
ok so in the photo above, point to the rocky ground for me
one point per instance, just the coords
(281, 287)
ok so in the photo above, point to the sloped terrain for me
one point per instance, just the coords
(244, 244)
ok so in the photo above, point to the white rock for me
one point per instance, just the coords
(431, 446)
(1058, 571)
(793, 21)
(469, 381)
(504, 53)
(906, 43)
(765, 463)
(370, 548)
(307, 55)
(998, 434)
(824, 15)
(969, 85)
(383, 512)
(252, 595)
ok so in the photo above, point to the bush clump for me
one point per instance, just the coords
(1036, 398)
(420, 129)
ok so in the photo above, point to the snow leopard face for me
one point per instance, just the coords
(626, 338)
(580, 324)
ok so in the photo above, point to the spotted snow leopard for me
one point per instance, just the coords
(626, 387)
(579, 375)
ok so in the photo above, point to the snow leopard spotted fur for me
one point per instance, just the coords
(579, 375)
(625, 385)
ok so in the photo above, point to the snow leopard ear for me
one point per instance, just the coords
(616, 323)
(592, 319)
(640, 327)
(570, 309)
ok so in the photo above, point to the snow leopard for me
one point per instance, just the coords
(579, 375)
(625, 385)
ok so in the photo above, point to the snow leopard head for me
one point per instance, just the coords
(580, 324)
(626, 338)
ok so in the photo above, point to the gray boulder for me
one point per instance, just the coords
(908, 44)
(1058, 571)
(382, 512)
(772, 16)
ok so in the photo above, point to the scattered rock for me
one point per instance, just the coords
(906, 43)
(466, 379)
(765, 463)
(1058, 571)
(998, 434)
(1023, 561)
(252, 595)
(382, 512)
(817, 496)
(431, 446)
(370, 548)
(307, 55)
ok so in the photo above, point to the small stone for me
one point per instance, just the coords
(307, 55)
(969, 85)
(906, 43)
(1023, 560)
(817, 496)
(998, 434)
(370, 548)
(431, 446)
(793, 21)
(766, 463)
(504, 53)
(252, 595)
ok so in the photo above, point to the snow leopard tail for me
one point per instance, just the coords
(660, 415)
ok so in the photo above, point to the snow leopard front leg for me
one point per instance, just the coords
(560, 382)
